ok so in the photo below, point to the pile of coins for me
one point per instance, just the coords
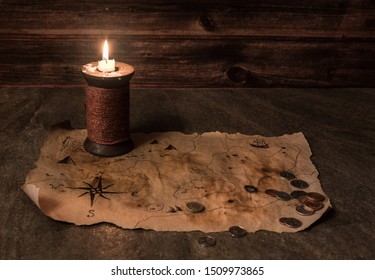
(310, 201)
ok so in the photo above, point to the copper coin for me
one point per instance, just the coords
(287, 175)
(283, 196)
(300, 184)
(271, 192)
(302, 198)
(297, 194)
(303, 211)
(207, 241)
(290, 222)
(195, 207)
(237, 231)
(313, 205)
(250, 188)
(313, 196)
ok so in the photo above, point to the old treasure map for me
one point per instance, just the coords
(178, 182)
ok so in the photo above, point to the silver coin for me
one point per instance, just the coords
(287, 175)
(259, 143)
(297, 194)
(300, 184)
(303, 211)
(290, 222)
(195, 207)
(207, 241)
(250, 188)
(283, 196)
(237, 231)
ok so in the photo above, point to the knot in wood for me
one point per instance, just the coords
(207, 22)
(238, 74)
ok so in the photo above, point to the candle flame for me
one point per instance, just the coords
(105, 51)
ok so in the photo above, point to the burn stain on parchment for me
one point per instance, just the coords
(48, 205)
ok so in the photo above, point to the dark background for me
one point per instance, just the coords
(189, 43)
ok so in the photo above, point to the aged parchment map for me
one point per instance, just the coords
(152, 186)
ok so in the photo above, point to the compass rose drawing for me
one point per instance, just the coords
(96, 190)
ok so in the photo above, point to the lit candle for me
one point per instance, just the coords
(107, 106)
(106, 64)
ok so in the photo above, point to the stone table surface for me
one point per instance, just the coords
(339, 125)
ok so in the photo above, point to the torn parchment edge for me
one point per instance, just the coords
(33, 192)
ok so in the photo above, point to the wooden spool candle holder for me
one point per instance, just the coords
(107, 110)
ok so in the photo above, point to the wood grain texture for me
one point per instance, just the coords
(289, 18)
(192, 43)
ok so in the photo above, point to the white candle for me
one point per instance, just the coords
(106, 64)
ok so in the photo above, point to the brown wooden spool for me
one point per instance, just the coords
(107, 110)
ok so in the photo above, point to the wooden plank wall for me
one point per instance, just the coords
(196, 43)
